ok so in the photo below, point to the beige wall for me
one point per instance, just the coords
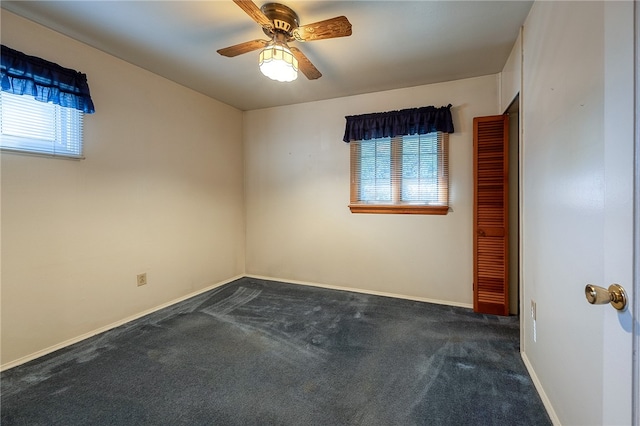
(299, 227)
(160, 191)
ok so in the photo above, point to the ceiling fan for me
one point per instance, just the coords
(282, 26)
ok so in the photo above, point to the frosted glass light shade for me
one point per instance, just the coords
(278, 63)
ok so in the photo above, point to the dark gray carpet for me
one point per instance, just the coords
(258, 352)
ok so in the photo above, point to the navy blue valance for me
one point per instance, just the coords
(398, 123)
(22, 74)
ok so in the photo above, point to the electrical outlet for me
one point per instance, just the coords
(142, 279)
(533, 310)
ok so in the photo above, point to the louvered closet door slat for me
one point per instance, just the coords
(490, 226)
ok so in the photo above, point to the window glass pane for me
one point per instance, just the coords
(410, 145)
(375, 170)
(368, 170)
(368, 149)
(420, 168)
(383, 168)
(410, 166)
(429, 143)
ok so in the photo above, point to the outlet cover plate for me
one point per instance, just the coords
(142, 279)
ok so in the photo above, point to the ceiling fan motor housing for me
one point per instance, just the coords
(284, 19)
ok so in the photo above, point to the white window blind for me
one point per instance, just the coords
(27, 125)
(404, 170)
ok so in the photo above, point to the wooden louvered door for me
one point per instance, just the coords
(490, 215)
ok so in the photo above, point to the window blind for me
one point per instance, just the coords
(39, 127)
(405, 170)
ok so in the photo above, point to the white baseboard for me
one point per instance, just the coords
(359, 290)
(123, 321)
(545, 399)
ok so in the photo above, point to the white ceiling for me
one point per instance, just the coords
(395, 44)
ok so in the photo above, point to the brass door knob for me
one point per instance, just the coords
(615, 295)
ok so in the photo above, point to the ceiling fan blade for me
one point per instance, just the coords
(305, 65)
(330, 28)
(239, 49)
(254, 12)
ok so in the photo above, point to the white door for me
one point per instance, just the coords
(620, 120)
(577, 209)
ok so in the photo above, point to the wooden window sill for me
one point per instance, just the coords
(398, 209)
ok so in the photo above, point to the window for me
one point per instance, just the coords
(42, 105)
(28, 125)
(403, 174)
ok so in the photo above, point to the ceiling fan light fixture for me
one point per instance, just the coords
(278, 63)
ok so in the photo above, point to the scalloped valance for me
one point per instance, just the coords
(46, 81)
(398, 123)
